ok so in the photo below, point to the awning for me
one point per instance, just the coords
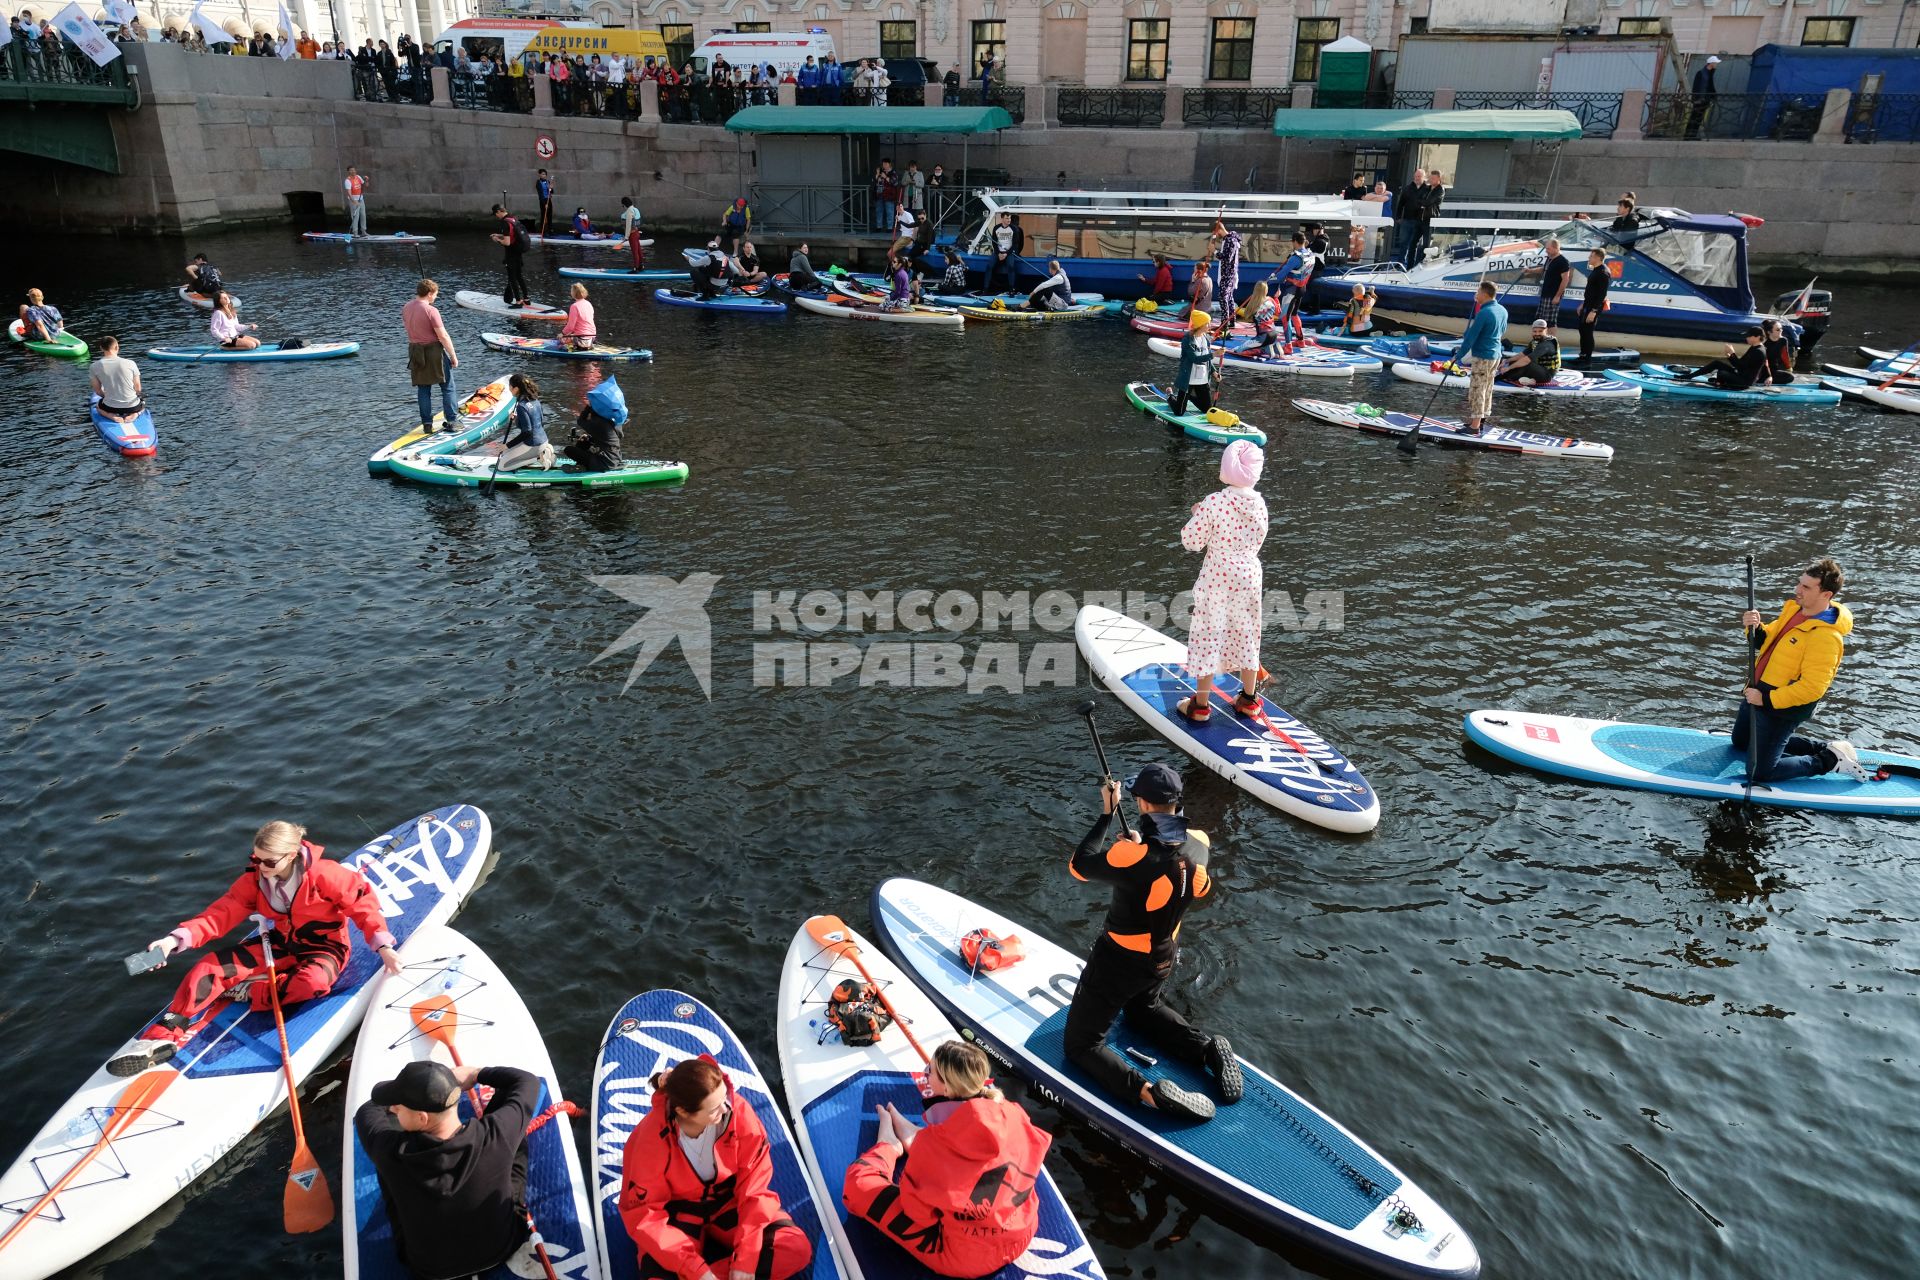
(872, 120)
(1356, 123)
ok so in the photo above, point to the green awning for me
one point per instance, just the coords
(1336, 123)
(893, 120)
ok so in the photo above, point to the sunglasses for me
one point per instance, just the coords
(268, 862)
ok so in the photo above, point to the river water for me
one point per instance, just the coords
(1618, 1035)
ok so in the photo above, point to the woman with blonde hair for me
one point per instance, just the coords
(309, 902)
(579, 333)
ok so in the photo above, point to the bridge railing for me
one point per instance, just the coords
(33, 70)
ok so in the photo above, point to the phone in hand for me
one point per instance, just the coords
(142, 961)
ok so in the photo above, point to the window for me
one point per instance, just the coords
(899, 40)
(752, 28)
(679, 38)
(1312, 34)
(1641, 27)
(1147, 49)
(990, 38)
(1834, 32)
(1232, 49)
(1417, 26)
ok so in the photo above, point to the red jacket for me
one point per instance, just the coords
(964, 1204)
(669, 1210)
(330, 895)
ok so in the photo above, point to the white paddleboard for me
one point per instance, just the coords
(480, 413)
(491, 303)
(202, 301)
(1273, 1157)
(458, 985)
(1453, 432)
(1315, 365)
(133, 1144)
(1564, 383)
(594, 240)
(1270, 754)
(1684, 761)
(832, 1091)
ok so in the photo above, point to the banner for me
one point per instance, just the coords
(210, 31)
(121, 11)
(285, 47)
(90, 39)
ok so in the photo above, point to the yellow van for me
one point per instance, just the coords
(584, 42)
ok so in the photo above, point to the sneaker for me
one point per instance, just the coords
(149, 1053)
(526, 1263)
(1183, 1103)
(1847, 760)
(1226, 1069)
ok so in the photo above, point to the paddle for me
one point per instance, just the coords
(308, 1203)
(1087, 710)
(832, 935)
(1746, 641)
(437, 1018)
(134, 1101)
(1900, 367)
(1409, 443)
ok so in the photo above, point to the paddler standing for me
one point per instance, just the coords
(1156, 875)
(1796, 657)
(1230, 525)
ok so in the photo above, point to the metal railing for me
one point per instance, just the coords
(1884, 117)
(37, 69)
(1012, 98)
(1787, 117)
(1083, 107)
(370, 84)
(1232, 108)
(490, 93)
(851, 209)
(1598, 113)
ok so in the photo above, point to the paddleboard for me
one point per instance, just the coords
(492, 304)
(1008, 300)
(1152, 400)
(1906, 401)
(1685, 762)
(942, 316)
(1270, 754)
(1020, 315)
(202, 301)
(555, 347)
(1874, 376)
(1564, 384)
(64, 343)
(1396, 349)
(136, 439)
(1274, 1158)
(347, 237)
(653, 1032)
(120, 1148)
(1880, 355)
(592, 240)
(1316, 364)
(480, 413)
(213, 353)
(1453, 432)
(1659, 378)
(720, 302)
(452, 983)
(1155, 326)
(833, 1090)
(618, 273)
(469, 468)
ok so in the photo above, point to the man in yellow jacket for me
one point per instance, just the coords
(1795, 658)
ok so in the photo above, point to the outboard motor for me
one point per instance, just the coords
(1812, 312)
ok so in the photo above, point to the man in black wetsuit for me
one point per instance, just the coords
(1738, 371)
(1156, 875)
(1593, 301)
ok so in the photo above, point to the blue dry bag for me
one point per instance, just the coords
(609, 402)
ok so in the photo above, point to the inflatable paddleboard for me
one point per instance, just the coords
(944, 317)
(1881, 356)
(1397, 349)
(1152, 400)
(1453, 432)
(347, 237)
(1907, 401)
(213, 353)
(720, 302)
(467, 468)
(1685, 762)
(1660, 379)
(833, 1089)
(202, 301)
(480, 413)
(136, 439)
(1155, 326)
(558, 348)
(592, 240)
(447, 982)
(653, 1032)
(1020, 315)
(492, 304)
(617, 273)
(1009, 300)
(64, 343)
(1875, 376)
(1564, 384)
(1275, 1159)
(121, 1147)
(1321, 363)
(1269, 754)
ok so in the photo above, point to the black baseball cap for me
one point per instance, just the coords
(423, 1086)
(1156, 784)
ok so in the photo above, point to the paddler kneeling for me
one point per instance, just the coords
(957, 1193)
(1156, 875)
(310, 901)
(1797, 655)
(455, 1193)
(596, 436)
(696, 1185)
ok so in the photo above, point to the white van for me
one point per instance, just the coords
(786, 50)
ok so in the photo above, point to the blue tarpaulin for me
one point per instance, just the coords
(1891, 115)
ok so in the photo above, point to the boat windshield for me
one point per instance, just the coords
(1710, 259)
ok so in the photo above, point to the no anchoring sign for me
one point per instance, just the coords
(543, 147)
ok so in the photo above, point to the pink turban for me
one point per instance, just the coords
(1240, 465)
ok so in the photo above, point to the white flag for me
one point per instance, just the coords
(121, 11)
(286, 49)
(210, 31)
(90, 39)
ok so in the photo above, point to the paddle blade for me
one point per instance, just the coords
(437, 1018)
(830, 933)
(308, 1205)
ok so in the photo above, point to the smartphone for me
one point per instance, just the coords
(142, 961)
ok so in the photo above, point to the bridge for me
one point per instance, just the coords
(57, 105)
